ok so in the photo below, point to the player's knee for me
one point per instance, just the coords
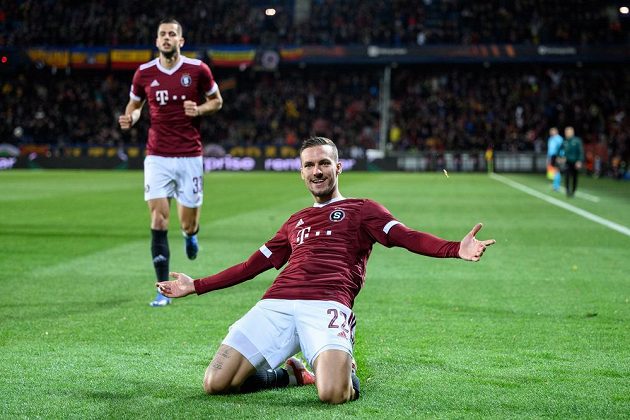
(159, 221)
(211, 389)
(213, 385)
(335, 394)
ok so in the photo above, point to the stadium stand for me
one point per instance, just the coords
(433, 106)
(399, 22)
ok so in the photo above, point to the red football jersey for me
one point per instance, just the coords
(327, 248)
(172, 133)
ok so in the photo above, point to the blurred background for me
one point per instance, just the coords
(399, 85)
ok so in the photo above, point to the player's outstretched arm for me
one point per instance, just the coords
(471, 248)
(182, 286)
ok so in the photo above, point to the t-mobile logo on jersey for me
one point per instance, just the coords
(161, 96)
(304, 234)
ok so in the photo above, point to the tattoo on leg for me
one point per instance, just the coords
(219, 359)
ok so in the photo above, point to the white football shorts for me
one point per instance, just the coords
(276, 329)
(179, 177)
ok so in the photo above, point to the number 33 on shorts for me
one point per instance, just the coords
(197, 184)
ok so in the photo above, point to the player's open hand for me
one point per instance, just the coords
(180, 287)
(471, 248)
(191, 109)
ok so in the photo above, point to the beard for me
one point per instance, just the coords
(168, 54)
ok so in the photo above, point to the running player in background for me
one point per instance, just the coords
(309, 305)
(179, 90)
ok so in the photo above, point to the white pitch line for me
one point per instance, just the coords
(580, 194)
(587, 215)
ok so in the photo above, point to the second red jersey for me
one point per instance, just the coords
(172, 133)
(327, 249)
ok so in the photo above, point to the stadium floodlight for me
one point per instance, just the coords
(624, 10)
(270, 11)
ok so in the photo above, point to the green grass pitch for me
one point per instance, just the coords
(539, 328)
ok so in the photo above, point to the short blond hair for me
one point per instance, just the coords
(320, 141)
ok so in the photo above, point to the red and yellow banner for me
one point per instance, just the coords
(232, 56)
(89, 58)
(129, 59)
(291, 53)
(50, 57)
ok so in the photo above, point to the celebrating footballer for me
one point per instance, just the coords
(308, 307)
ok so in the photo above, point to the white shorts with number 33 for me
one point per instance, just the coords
(179, 177)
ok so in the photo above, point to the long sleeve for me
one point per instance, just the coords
(422, 243)
(236, 274)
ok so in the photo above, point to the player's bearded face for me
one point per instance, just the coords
(169, 39)
(319, 172)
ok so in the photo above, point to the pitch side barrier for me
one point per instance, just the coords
(246, 164)
(425, 162)
(271, 57)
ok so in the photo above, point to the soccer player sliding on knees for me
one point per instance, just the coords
(308, 307)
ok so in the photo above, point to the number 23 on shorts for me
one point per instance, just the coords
(339, 320)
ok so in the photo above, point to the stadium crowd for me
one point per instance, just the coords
(460, 109)
(432, 107)
(358, 22)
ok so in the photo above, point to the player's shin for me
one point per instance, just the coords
(160, 253)
(356, 384)
(266, 379)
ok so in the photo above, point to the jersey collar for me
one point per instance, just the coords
(171, 70)
(333, 200)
